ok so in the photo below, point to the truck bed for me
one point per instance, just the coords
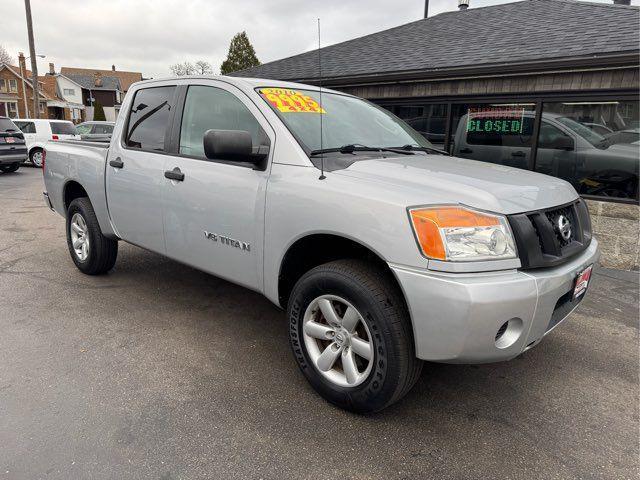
(71, 163)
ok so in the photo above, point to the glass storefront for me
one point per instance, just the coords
(594, 145)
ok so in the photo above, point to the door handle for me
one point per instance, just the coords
(117, 163)
(174, 174)
(466, 150)
(518, 154)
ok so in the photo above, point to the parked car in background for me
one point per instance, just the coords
(623, 136)
(13, 150)
(383, 250)
(37, 132)
(95, 131)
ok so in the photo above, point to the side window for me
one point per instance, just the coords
(213, 108)
(149, 118)
(550, 136)
(102, 129)
(27, 127)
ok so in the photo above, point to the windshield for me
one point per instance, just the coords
(345, 120)
(589, 135)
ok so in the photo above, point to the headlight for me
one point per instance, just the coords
(456, 233)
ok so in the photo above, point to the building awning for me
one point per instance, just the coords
(61, 104)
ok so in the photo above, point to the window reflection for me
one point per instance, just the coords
(600, 150)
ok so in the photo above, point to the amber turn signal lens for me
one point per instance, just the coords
(429, 222)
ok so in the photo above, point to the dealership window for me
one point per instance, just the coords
(497, 132)
(13, 85)
(429, 120)
(593, 145)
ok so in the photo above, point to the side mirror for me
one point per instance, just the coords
(232, 145)
(562, 143)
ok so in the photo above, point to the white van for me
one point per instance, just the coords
(37, 132)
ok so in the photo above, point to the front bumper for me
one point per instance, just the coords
(456, 317)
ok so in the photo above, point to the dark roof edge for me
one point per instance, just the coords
(629, 59)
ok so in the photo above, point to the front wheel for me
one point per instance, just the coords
(90, 250)
(351, 335)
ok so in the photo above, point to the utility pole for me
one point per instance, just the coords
(426, 8)
(34, 63)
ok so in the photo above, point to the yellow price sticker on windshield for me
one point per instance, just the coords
(291, 101)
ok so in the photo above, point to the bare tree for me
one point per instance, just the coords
(181, 69)
(5, 57)
(203, 68)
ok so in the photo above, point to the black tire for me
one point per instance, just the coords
(380, 303)
(102, 251)
(31, 155)
(12, 167)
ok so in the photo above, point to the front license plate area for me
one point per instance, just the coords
(582, 282)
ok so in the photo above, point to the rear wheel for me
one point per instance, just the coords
(90, 250)
(12, 167)
(351, 335)
(36, 157)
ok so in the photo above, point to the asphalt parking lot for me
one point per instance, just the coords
(160, 371)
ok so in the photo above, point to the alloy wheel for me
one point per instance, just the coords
(338, 341)
(79, 236)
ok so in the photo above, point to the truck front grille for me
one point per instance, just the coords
(541, 240)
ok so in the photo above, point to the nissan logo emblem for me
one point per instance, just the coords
(563, 225)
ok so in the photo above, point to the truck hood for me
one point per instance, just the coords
(439, 179)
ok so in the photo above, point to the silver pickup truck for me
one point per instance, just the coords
(383, 250)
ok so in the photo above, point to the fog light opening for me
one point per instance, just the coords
(508, 333)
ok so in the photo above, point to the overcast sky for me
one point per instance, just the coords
(150, 35)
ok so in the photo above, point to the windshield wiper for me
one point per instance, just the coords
(418, 148)
(351, 148)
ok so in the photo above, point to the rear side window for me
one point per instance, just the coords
(27, 127)
(214, 108)
(63, 128)
(149, 118)
(83, 129)
(6, 124)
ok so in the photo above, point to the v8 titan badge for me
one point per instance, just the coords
(582, 282)
(291, 101)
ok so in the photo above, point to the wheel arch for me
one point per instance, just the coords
(72, 189)
(314, 249)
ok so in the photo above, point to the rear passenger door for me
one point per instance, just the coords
(214, 216)
(135, 168)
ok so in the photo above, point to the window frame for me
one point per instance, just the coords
(15, 105)
(4, 85)
(540, 98)
(243, 98)
(13, 89)
(167, 132)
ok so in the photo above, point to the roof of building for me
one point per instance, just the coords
(522, 32)
(89, 81)
(126, 78)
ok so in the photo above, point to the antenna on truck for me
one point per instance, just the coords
(322, 177)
